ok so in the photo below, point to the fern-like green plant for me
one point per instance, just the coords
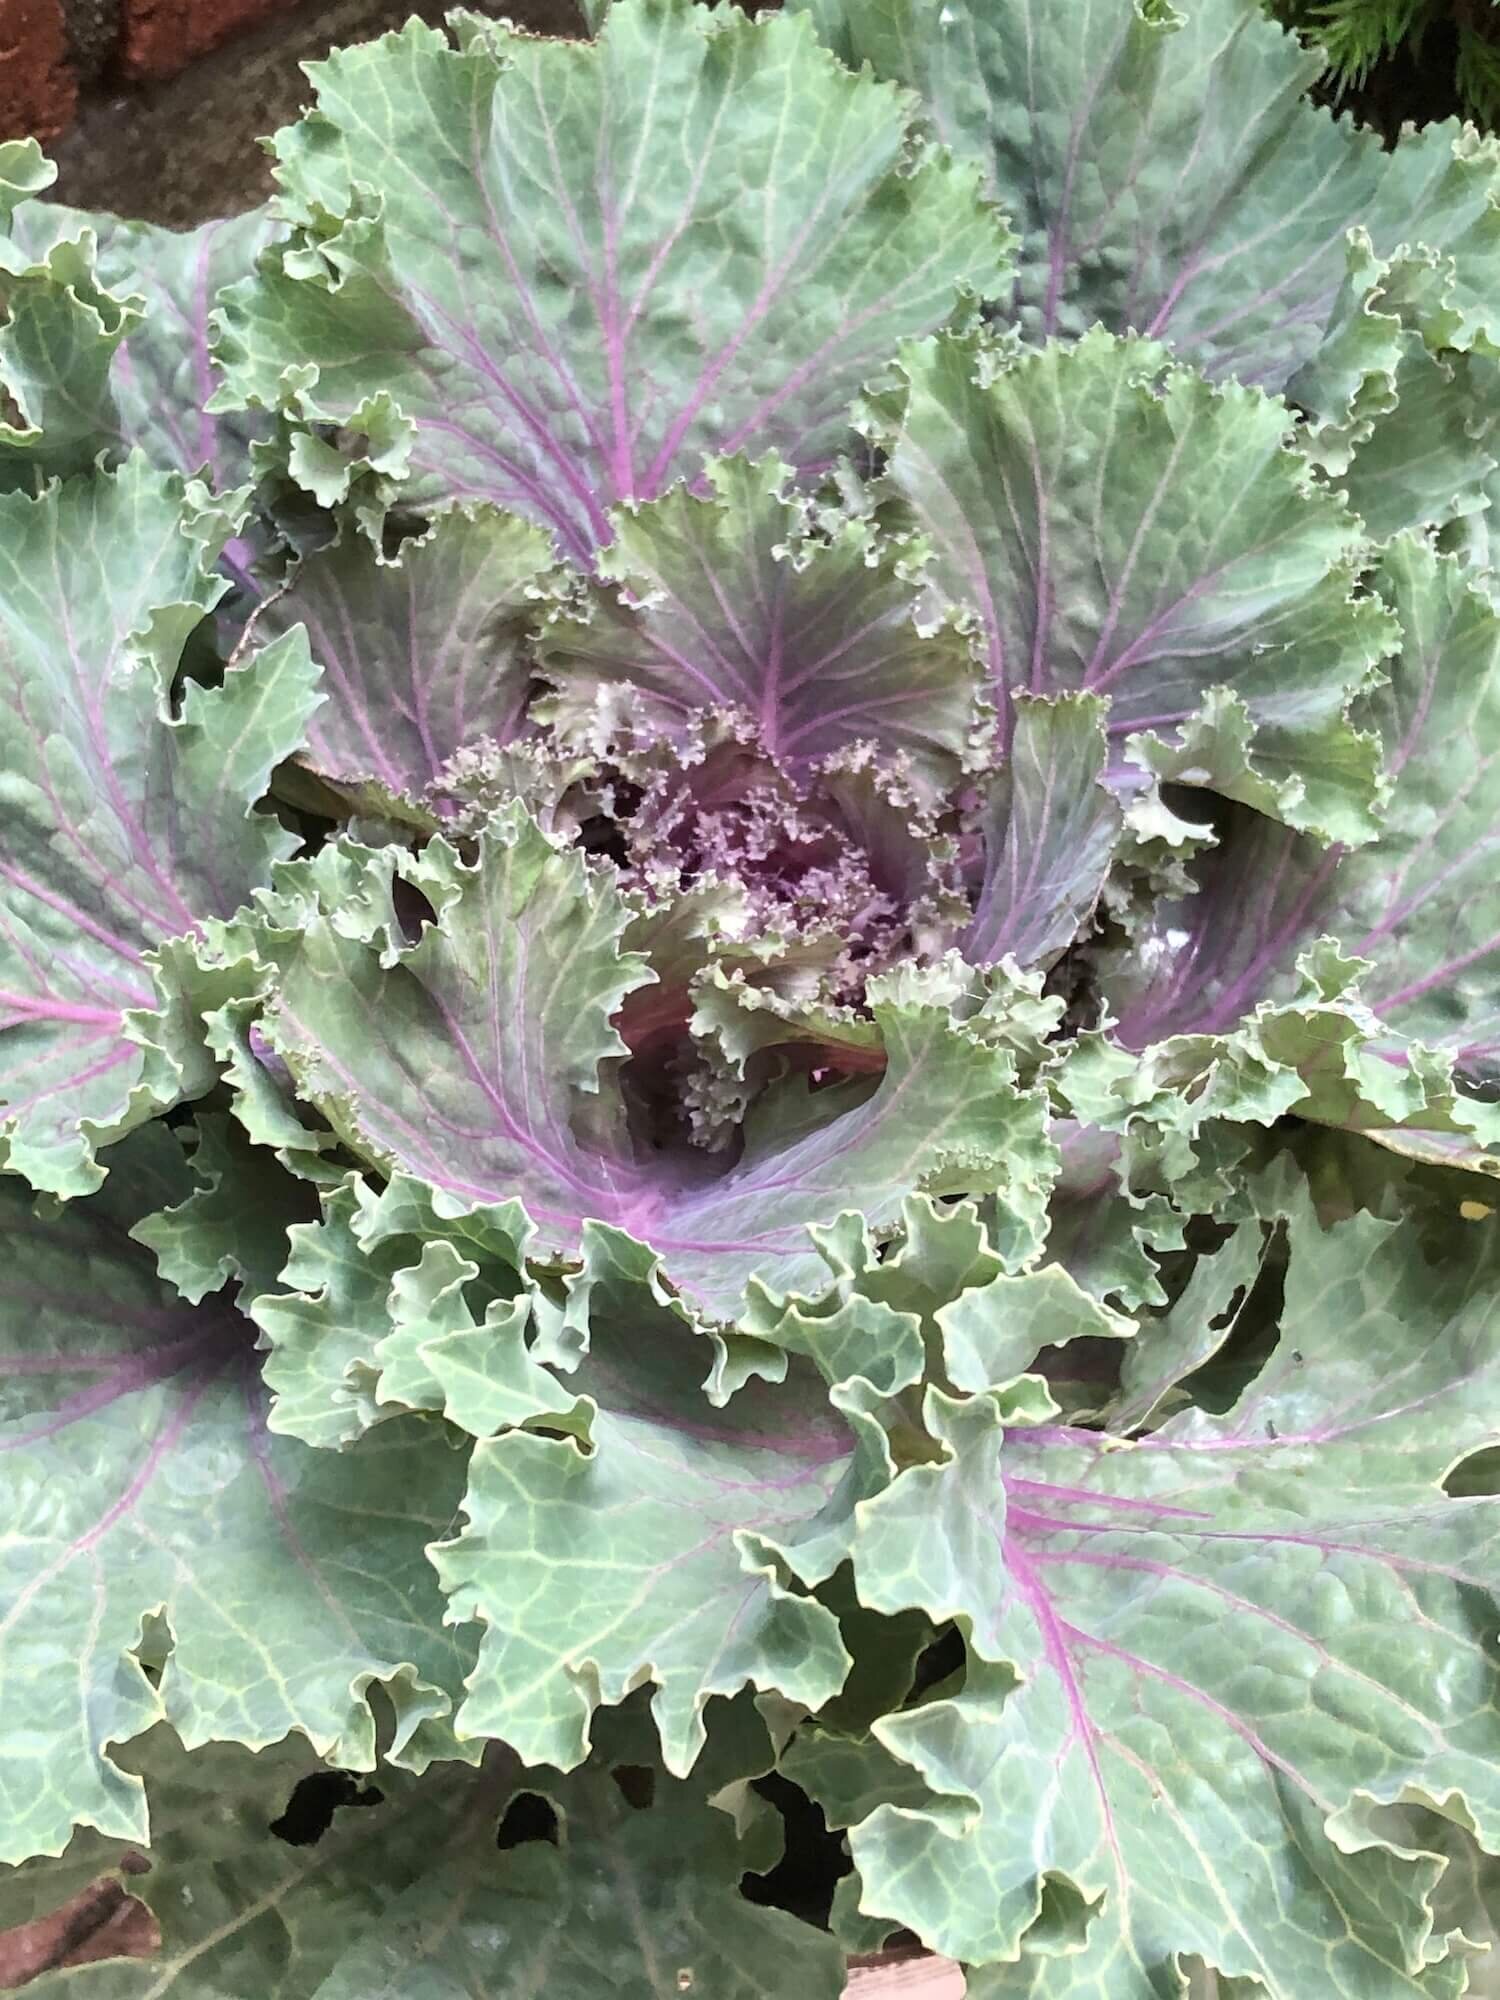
(1399, 59)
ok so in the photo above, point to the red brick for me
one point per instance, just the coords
(38, 93)
(160, 37)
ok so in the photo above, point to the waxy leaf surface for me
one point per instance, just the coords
(1140, 535)
(145, 1496)
(127, 813)
(1211, 1649)
(578, 269)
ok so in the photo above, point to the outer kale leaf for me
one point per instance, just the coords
(654, 1552)
(1466, 1897)
(1400, 394)
(161, 376)
(405, 1891)
(127, 808)
(672, 1922)
(239, 1909)
(1116, 137)
(571, 287)
(59, 336)
(1417, 904)
(1130, 531)
(1199, 1659)
(164, 1555)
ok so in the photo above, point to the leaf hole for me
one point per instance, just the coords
(939, 1661)
(528, 1817)
(813, 1859)
(315, 1800)
(636, 1784)
(413, 911)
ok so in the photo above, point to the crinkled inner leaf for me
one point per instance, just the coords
(729, 604)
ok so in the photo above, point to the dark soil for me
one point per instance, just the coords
(181, 151)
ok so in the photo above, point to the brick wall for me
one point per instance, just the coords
(53, 50)
(38, 87)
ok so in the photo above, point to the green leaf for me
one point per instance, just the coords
(1417, 904)
(1401, 418)
(235, 1223)
(1102, 1231)
(127, 823)
(644, 1905)
(141, 1486)
(651, 1554)
(369, 1041)
(1198, 1660)
(390, 1307)
(60, 338)
(994, 1332)
(240, 1910)
(885, 1652)
(733, 603)
(576, 320)
(1200, 1320)
(1126, 529)
(24, 171)
(1467, 1897)
(1050, 828)
(849, 1776)
(422, 656)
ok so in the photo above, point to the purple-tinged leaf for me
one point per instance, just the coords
(731, 604)
(125, 824)
(577, 287)
(1419, 905)
(141, 1483)
(1124, 529)
(1167, 173)
(422, 656)
(483, 1062)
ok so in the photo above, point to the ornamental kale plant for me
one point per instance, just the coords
(750, 969)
